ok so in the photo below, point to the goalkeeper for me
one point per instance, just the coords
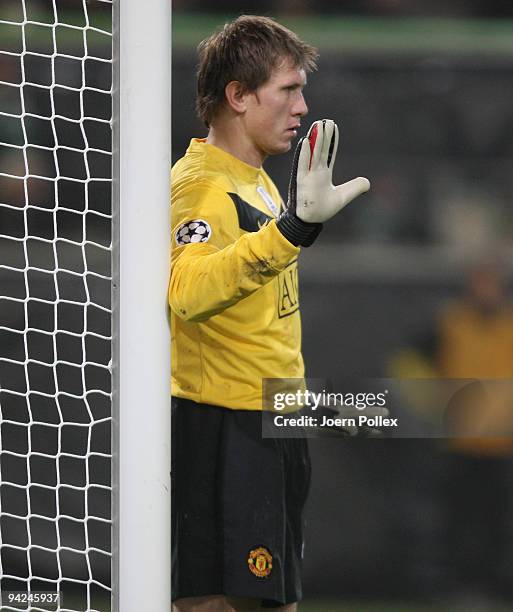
(238, 499)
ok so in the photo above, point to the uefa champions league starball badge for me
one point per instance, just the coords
(194, 231)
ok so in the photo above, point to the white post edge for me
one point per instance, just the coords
(141, 568)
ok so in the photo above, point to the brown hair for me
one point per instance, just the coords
(247, 50)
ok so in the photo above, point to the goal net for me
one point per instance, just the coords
(56, 262)
(55, 312)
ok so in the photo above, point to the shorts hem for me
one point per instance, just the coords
(266, 602)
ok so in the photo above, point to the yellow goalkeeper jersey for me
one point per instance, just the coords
(234, 285)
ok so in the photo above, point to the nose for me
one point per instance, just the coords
(300, 108)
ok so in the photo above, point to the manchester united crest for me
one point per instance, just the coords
(260, 562)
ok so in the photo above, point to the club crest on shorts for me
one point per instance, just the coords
(260, 562)
(193, 231)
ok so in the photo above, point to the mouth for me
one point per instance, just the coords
(293, 130)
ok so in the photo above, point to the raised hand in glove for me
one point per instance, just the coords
(312, 197)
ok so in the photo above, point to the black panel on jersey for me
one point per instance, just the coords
(250, 218)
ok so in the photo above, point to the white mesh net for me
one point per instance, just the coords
(55, 284)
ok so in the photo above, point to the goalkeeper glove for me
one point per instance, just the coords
(312, 198)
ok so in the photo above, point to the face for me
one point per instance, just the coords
(274, 111)
(486, 287)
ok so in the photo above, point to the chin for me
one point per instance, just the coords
(280, 148)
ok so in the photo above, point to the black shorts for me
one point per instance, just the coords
(237, 506)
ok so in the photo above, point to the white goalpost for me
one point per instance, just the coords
(84, 340)
(143, 407)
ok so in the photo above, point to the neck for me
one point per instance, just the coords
(229, 135)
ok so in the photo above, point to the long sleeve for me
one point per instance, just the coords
(227, 265)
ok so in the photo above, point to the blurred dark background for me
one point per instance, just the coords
(422, 94)
(369, 8)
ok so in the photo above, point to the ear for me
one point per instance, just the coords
(236, 96)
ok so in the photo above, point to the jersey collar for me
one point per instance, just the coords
(249, 173)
